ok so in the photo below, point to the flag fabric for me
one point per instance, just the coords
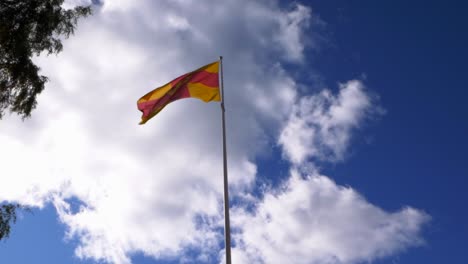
(202, 83)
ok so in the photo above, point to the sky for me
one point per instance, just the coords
(346, 130)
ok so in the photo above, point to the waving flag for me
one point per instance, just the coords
(202, 83)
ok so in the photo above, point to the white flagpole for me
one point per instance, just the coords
(227, 228)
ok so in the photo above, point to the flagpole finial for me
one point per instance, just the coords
(220, 57)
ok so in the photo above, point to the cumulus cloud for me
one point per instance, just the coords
(320, 125)
(157, 189)
(313, 220)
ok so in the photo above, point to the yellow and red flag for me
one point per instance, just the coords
(202, 83)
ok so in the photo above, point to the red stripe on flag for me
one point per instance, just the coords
(181, 93)
(206, 78)
(149, 107)
(178, 79)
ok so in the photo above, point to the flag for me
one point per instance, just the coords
(202, 83)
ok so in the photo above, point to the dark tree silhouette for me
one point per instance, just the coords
(7, 217)
(27, 28)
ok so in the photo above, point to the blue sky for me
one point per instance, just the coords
(413, 57)
(401, 145)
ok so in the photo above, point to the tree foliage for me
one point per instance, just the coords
(27, 28)
(7, 217)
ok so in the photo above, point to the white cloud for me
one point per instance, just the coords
(83, 140)
(313, 220)
(293, 26)
(320, 125)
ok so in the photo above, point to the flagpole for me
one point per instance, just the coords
(227, 228)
